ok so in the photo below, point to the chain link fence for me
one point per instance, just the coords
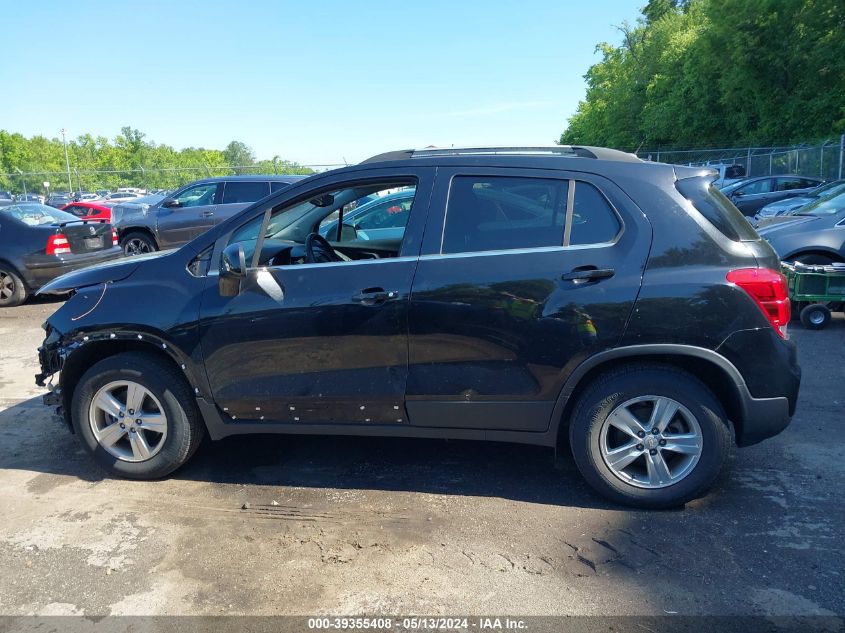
(824, 160)
(168, 178)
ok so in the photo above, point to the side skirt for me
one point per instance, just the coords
(218, 428)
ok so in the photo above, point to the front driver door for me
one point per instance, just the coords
(192, 215)
(319, 343)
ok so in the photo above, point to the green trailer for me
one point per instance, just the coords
(815, 292)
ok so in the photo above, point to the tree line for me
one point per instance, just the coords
(127, 160)
(718, 73)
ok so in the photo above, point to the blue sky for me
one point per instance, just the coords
(318, 81)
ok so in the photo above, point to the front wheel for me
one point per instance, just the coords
(135, 415)
(649, 436)
(137, 243)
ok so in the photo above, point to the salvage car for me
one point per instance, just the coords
(814, 235)
(39, 243)
(190, 211)
(535, 295)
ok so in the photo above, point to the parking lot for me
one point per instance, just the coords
(305, 525)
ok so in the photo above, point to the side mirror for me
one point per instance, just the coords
(232, 270)
(348, 233)
(170, 203)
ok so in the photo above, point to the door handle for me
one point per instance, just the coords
(208, 214)
(584, 274)
(374, 296)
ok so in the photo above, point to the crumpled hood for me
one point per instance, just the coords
(114, 270)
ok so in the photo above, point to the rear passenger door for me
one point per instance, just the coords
(238, 195)
(524, 274)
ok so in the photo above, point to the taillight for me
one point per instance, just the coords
(58, 245)
(769, 290)
(114, 240)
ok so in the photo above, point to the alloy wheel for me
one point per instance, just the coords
(137, 246)
(7, 286)
(128, 421)
(651, 441)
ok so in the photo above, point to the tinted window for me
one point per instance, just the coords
(244, 191)
(787, 184)
(493, 213)
(278, 186)
(77, 210)
(593, 220)
(200, 195)
(716, 208)
(758, 186)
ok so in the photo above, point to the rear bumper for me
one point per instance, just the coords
(771, 378)
(41, 269)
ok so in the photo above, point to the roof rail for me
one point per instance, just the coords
(571, 151)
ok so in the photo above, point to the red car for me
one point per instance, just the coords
(88, 210)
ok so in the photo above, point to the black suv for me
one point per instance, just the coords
(570, 297)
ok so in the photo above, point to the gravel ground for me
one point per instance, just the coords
(308, 525)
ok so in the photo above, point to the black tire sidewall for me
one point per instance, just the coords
(139, 236)
(807, 312)
(20, 290)
(604, 396)
(148, 374)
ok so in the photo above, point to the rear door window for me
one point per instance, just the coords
(500, 213)
(246, 191)
(593, 219)
(787, 184)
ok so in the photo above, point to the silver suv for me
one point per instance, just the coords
(160, 223)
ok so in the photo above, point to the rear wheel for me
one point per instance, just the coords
(13, 291)
(135, 414)
(815, 316)
(138, 243)
(649, 436)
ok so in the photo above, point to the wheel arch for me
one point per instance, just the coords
(822, 251)
(88, 352)
(125, 231)
(17, 270)
(713, 369)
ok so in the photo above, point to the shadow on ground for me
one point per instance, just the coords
(35, 439)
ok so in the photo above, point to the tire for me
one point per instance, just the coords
(815, 316)
(13, 290)
(137, 243)
(176, 437)
(628, 389)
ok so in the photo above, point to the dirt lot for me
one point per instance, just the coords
(338, 525)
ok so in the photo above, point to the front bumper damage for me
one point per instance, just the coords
(51, 357)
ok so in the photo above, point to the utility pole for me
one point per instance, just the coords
(23, 181)
(67, 163)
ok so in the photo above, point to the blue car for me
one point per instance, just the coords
(381, 219)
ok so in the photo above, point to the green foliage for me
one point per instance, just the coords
(126, 161)
(718, 72)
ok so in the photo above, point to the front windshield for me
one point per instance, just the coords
(827, 205)
(33, 214)
(828, 189)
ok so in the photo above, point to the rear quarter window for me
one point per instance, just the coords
(716, 208)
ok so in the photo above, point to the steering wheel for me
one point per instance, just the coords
(318, 250)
